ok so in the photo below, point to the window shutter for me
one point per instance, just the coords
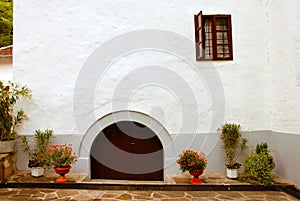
(198, 36)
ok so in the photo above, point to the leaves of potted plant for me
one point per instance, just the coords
(259, 165)
(233, 144)
(193, 162)
(10, 119)
(37, 151)
(9, 95)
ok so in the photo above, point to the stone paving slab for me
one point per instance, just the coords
(7, 194)
(45, 188)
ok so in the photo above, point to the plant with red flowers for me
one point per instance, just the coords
(191, 160)
(36, 147)
(61, 155)
(37, 160)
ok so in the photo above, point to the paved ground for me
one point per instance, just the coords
(24, 194)
(84, 195)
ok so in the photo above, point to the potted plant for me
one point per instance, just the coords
(233, 144)
(37, 150)
(193, 162)
(61, 157)
(10, 119)
(259, 165)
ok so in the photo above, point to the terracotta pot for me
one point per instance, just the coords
(196, 174)
(62, 172)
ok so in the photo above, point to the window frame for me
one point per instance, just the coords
(199, 21)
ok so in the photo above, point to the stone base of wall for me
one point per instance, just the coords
(7, 165)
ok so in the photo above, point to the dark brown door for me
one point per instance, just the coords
(127, 150)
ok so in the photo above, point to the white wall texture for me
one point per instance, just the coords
(54, 43)
(5, 68)
(66, 35)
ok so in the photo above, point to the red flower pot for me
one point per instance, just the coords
(62, 172)
(196, 174)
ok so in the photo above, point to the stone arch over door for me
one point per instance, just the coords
(127, 150)
(162, 134)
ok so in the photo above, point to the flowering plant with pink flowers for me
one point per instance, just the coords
(191, 160)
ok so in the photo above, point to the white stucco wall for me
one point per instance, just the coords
(5, 68)
(284, 64)
(85, 59)
(66, 35)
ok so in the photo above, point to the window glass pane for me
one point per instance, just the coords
(208, 25)
(220, 49)
(226, 49)
(223, 51)
(208, 53)
(200, 36)
(208, 38)
(221, 24)
(222, 38)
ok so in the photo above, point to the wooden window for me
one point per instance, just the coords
(213, 37)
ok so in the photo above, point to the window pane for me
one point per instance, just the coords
(208, 38)
(226, 49)
(220, 49)
(222, 38)
(221, 24)
(200, 36)
(223, 51)
(208, 25)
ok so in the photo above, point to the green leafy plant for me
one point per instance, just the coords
(6, 22)
(259, 165)
(61, 155)
(191, 160)
(37, 150)
(9, 94)
(233, 144)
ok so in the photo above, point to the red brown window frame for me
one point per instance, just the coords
(200, 35)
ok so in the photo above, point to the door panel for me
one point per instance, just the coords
(127, 150)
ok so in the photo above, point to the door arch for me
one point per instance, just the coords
(127, 150)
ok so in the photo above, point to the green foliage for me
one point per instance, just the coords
(262, 148)
(9, 120)
(6, 22)
(233, 144)
(259, 165)
(37, 150)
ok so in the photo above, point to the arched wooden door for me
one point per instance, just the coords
(127, 150)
